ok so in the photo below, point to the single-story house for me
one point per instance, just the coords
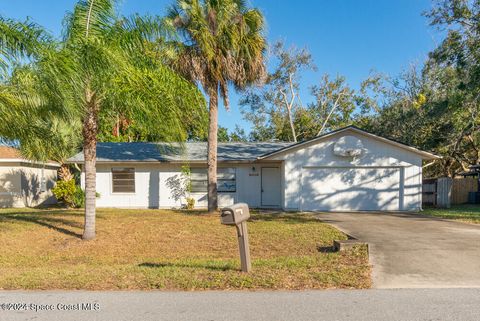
(345, 170)
(25, 183)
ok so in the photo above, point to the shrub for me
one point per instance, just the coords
(64, 191)
(190, 203)
(70, 194)
(79, 197)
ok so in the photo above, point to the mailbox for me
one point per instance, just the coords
(238, 215)
(235, 214)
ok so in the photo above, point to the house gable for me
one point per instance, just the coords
(346, 131)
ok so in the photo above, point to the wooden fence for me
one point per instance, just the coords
(461, 187)
(445, 191)
(429, 192)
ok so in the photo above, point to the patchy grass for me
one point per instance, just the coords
(466, 213)
(166, 249)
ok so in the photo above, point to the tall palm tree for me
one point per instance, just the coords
(222, 44)
(100, 65)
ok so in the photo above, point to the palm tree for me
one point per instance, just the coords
(221, 44)
(18, 40)
(100, 65)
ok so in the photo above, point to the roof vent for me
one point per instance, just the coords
(348, 146)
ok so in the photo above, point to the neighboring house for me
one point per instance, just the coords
(24, 183)
(344, 170)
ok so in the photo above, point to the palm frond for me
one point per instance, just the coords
(222, 43)
(18, 40)
(89, 20)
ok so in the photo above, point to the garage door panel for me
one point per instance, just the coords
(350, 189)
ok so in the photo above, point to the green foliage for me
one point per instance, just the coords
(186, 174)
(79, 197)
(19, 40)
(276, 110)
(440, 103)
(190, 203)
(220, 43)
(69, 193)
(42, 103)
(181, 187)
(272, 108)
(66, 192)
(237, 135)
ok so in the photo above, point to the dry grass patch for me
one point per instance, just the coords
(165, 249)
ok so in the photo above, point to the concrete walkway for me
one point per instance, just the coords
(415, 251)
(341, 305)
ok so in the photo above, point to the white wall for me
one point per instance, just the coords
(152, 189)
(20, 184)
(376, 154)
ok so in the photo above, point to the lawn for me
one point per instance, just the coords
(466, 213)
(174, 250)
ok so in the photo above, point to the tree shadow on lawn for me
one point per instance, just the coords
(44, 220)
(43, 211)
(188, 265)
(326, 249)
(200, 212)
(289, 218)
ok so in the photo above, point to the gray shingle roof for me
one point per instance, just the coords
(175, 152)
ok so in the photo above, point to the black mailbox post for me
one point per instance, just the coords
(238, 215)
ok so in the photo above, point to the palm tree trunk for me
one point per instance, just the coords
(212, 150)
(90, 127)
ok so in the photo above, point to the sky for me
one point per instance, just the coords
(351, 38)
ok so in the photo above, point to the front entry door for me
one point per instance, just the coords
(271, 187)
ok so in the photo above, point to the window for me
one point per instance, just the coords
(198, 180)
(123, 180)
(226, 180)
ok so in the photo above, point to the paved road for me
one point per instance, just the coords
(358, 305)
(415, 251)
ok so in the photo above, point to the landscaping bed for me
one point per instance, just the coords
(171, 250)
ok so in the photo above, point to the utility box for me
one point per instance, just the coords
(238, 215)
(235, 214)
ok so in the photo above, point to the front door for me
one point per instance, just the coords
(271, 187)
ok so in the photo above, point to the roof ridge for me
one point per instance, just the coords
(198, 142)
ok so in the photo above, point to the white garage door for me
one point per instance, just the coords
(350, 189)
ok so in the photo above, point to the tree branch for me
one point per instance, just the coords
(335, 104)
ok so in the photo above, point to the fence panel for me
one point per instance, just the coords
(429, 192)
(444, 192)
(461, 187)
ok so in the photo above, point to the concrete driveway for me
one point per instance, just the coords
(415, 251)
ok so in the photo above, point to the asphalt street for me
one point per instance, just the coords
(358, 305)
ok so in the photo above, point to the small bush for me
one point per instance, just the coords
(65, 191)
(79, 197)
(190, 203)
(70, 194)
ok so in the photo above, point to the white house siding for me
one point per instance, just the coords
(152, 190)
(377, 154)
(21, 184)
